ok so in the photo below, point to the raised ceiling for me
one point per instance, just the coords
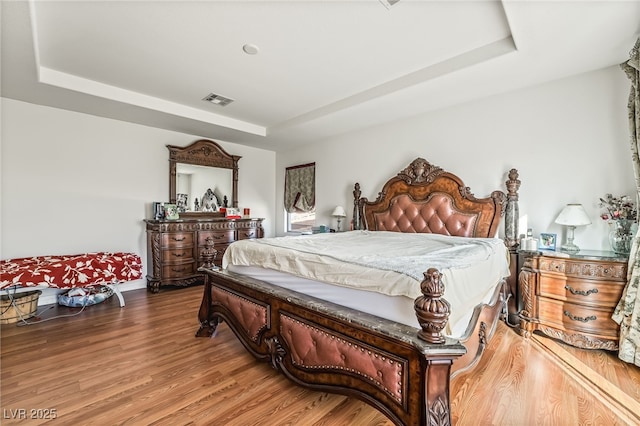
(322, 68)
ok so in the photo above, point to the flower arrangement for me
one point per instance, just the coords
(618, 208)
(622, 213)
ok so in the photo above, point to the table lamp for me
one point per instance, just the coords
(339, 213)
(572, 215)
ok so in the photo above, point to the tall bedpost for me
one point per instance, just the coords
(357, 220)
(512, 215)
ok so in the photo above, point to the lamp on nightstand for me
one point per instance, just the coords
(339, 213)
(572, 215)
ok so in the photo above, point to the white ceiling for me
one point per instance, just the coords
(323, 67)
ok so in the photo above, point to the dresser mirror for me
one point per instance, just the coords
(203, 177)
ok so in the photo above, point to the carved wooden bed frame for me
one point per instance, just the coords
(402, 371)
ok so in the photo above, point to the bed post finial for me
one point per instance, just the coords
(512, 214)
(208, 254)
(431, 308)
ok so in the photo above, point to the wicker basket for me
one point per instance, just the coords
(18, 306)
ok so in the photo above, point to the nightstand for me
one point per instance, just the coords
(571, 297)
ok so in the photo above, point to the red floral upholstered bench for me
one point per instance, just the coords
(65, 272)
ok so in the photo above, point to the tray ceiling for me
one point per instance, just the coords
(314, 69)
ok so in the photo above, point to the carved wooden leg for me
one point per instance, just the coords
(526, 281)
(437, 401)
(153, 286)
(208, 324)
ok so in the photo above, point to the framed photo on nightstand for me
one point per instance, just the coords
(547, 241)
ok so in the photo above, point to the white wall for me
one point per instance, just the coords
(75, 183)
(569, 140)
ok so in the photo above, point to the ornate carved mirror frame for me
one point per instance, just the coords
(202, 152)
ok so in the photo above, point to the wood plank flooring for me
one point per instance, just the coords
(142, 365)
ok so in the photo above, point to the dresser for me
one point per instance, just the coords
(571, 297)
(177, 248)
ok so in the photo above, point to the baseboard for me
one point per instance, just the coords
(623, 405)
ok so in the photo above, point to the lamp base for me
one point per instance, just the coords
(570, 248)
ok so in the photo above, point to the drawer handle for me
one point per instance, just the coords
(178, 270)
(587, 319)
(581, 292)
(178, 254)
(178, 239)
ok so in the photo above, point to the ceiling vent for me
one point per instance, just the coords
(389, 3)
(217, 99)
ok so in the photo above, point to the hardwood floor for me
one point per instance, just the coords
(142, 365)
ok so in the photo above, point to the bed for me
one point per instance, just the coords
(396, 352)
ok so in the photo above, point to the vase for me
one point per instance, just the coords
(622, 236)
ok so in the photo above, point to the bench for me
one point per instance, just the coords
(71, 271)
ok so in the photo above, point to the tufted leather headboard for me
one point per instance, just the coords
(425, 198)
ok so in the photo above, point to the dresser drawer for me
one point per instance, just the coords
(583, 268)
(246, 234)
(178, 270)
(572, 317)
(585, 292)
(177, 255)
(177, 239)
(222, 236)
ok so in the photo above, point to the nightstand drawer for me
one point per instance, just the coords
(583, 268)
(572, 317)
(177, 239)
(586, 292)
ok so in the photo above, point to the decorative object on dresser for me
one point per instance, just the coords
(339, 213)
(177, 248)
(571, 297)
(401, 368)
(572, 215)
(621, 214)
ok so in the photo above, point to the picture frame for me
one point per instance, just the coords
(548, 241)
(158, 210)
(232, 213)
(182, 201)
(171, 211)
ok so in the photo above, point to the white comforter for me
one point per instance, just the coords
(391, 263)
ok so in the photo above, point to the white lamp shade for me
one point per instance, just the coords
(339, 212)
(573, 215)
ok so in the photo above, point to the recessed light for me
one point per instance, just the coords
(250, 49)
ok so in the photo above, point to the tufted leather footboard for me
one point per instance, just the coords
(330, 348)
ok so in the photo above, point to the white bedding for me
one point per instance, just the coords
(352, 261)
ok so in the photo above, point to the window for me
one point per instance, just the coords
(301, 222)
(300, 197)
